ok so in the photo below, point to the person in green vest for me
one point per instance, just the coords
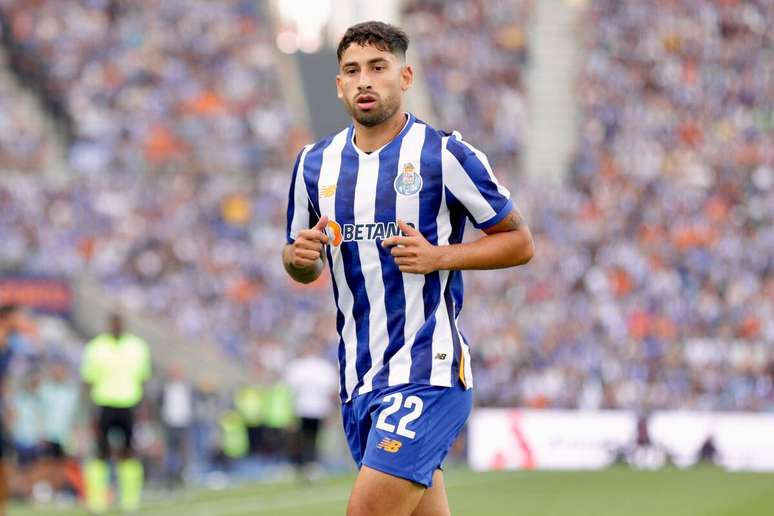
(248, 401)
(115, 365)
(278, 418)
(234, 442)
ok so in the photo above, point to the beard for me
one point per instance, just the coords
(385, 108)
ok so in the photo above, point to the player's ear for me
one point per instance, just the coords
(406, 77)
(339, 93)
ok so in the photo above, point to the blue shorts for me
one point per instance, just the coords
(406, 430)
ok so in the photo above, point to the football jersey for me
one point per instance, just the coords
(395, 327)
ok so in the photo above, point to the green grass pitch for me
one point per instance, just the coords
(614, 492)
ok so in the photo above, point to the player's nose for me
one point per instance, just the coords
(364, 82)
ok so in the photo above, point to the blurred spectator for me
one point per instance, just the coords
(26, 427)
(176, 416)
(652, 283)
(314, 383)
(206, 408)
(278, 418)
(59, 399)
(59, 394)
(15, 330)
(708, 453)
(23, 141)
(115, 364)
(652, 286)
(474, 55)
(234, 443)
(178, 107)
(249, 401)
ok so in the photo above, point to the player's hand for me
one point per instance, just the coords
(309, 245)
(412, 252)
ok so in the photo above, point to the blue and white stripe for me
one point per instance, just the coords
(396, 328)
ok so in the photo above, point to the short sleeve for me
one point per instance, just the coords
(146, 366)
(298, 200)
(469, 178)
(89, 365)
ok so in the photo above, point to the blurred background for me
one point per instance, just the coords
(145, 155)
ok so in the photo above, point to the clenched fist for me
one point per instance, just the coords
(309, 245)
(412, 252)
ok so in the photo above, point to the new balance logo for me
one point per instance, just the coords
(390, 445)
(440, 356)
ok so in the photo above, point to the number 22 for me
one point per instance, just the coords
(414, 402)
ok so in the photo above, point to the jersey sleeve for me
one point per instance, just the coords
(299, 216)
(146, 365)
(89, 364)
(469, 179)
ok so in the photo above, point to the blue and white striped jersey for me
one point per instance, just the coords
(395, 328)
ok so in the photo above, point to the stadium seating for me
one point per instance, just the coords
(179, 154)
(653, 265)
(652, 283)
(474, 56)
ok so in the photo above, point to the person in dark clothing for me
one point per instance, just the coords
(11, 324)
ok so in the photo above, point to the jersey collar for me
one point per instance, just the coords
(395, 141)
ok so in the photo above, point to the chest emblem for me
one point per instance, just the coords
(408, 182)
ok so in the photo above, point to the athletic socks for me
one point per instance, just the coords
(97, 482)
(130, 480)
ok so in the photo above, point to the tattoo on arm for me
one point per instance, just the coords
(513, 221)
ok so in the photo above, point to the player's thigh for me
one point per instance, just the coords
(102, 428)
(379, 494)
(117, 422)
(125, 424)
(434, 502)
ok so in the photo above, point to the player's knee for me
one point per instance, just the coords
(360, 506)
(433, 506)
(363, 503)
(434, 511)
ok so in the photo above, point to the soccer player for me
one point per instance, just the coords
(115, 364)
(384, 203)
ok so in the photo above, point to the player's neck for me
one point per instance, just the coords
(369, 139)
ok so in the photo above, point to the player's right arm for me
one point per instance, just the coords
(304, 255)
(304, 258)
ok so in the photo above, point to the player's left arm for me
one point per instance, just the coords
(147, 362)
(506, 244)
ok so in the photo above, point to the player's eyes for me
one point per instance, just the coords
(351, 71)
(379, 68)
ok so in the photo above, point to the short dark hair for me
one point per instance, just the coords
(378, 34)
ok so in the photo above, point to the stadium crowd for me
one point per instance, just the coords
(185, 431)
(653, 283)
(23, 141)
(179, 162)
(474, 68)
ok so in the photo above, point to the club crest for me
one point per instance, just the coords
(408, 182)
